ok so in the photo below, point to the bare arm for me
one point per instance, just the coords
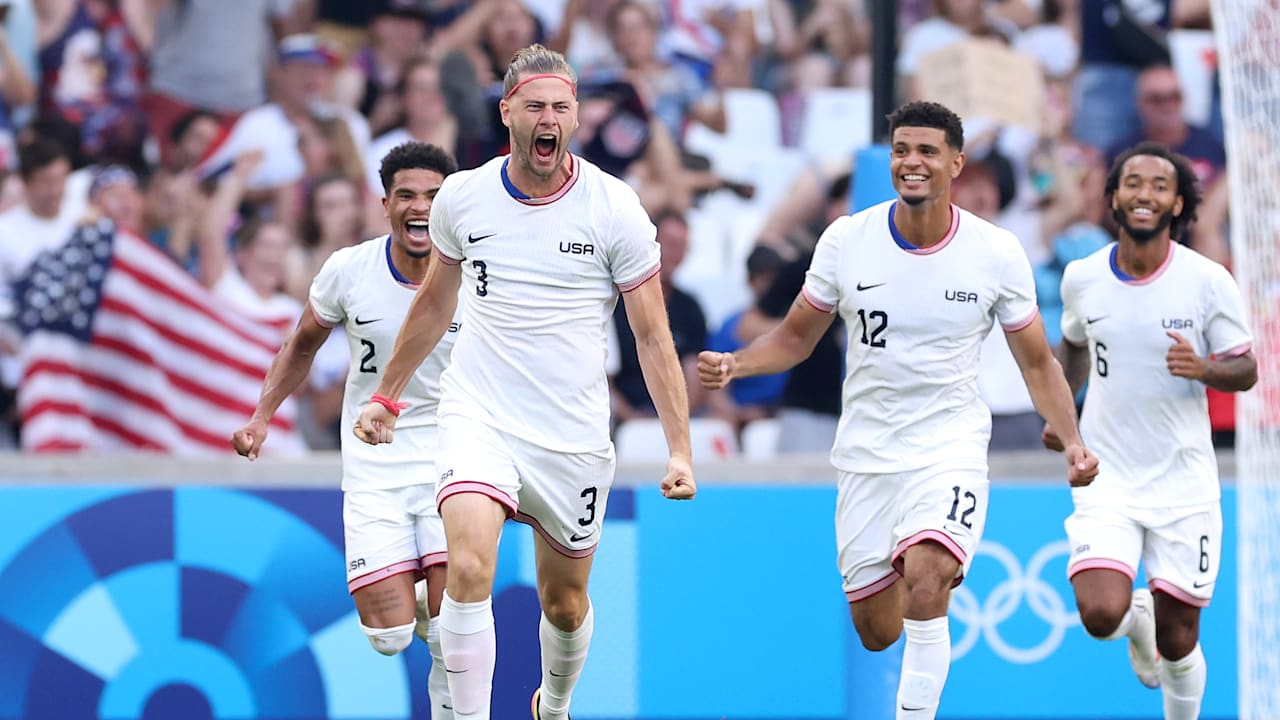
(1045, 380)
(1052, 397)
(563, 38)
(782, 348)
(288, 370)
(1075, 364)
(429, 316)
(223, 206)
(1191, 14)
(663, 375)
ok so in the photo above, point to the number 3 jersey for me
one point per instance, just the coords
(915, 319)
(359, 288)
(541, 278)
(1149, 428)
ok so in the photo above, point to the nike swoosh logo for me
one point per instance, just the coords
(1090, 321)
(1198, 585)
(478, 238)
(454, 672)
(862, 287)
(556, 674)
(579, 538)
(445, 707)
(366, 322)
(907, 709)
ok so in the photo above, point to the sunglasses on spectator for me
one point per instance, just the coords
(1165, 97)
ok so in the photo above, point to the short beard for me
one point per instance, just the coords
(416, 255)
(913, 201)
(1143, 236)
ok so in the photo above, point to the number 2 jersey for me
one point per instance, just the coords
(541, 277)
(1149, 428)
(915, 320)
(359, 288)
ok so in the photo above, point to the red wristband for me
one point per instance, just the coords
(392, 406)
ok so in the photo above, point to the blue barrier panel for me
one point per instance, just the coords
(216, 603)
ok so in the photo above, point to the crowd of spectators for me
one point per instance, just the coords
(243, 139)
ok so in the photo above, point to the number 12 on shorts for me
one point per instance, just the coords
(969, 498)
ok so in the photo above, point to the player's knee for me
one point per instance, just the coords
(566, 610)
(469, 574)
(1100, 621)
(1175, 640)
(877, 636)
(389, 641)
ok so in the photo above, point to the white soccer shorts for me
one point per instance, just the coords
(562, 496)
(879, 516)
(1179, 547)
(391, 531)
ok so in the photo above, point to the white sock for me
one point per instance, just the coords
(926, 660)
(1126, 624)
(563, 655)
(469, 649)
(438, 679)
(1182, 682)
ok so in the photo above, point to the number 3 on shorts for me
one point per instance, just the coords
(591, 506)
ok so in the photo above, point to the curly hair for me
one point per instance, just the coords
(1188, 183)
(923, 113)
(414, 156)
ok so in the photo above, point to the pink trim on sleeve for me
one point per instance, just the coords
(814, 301)
(319, 320)
(445, 258)
(1236, 351)
(1024, 324)
(628, 287)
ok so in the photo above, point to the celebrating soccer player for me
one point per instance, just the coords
(1150, 324)
(543, 243)
(918, 283)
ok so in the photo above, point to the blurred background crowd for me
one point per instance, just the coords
(242, 139)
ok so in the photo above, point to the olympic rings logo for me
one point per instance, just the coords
(983, 619)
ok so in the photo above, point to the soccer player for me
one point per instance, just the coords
(543, 243)
(1150, 324)
(394, 535)
(918, 283)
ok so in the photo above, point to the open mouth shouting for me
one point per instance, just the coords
(544, 148)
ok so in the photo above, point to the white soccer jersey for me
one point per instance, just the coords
(359, 288)
(1150, 429)
(541, 279)
(915, 320)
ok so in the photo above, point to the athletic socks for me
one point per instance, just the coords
(1183, 684)
(563, 655)
(469, 650)
(926, 659)
(438, 679)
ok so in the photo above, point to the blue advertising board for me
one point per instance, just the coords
(206, 602)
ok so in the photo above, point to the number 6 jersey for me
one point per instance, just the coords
(1149, 428)
(915, 319)
(359, 288)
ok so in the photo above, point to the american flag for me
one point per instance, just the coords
(124, 350)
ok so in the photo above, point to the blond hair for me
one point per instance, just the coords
(536, 60)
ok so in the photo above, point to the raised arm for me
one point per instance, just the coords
(427, 321)
(647, 315)
(782, 348)
(289, 368)
(1052, 397)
